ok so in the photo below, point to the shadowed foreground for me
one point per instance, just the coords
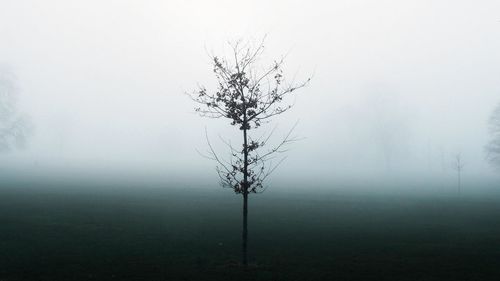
(51, 233)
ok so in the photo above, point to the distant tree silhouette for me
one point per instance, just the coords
(247, 97)
(458, 166)
(493, 146)
(14, 127)
(390, 124)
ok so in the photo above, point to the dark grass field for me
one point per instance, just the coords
(150, 233)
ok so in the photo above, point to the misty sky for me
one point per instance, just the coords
(104, 81)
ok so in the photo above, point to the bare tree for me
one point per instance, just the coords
(442, 157)
(493, 146)
(248, 96)
(14, 127)
(391, 128)
(458, 166)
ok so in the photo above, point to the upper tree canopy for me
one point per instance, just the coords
(244, 94)
(14, 128)
(493, 147)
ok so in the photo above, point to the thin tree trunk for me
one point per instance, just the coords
(244, 257)
(244, 235)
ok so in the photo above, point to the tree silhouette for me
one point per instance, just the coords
(458, 166)
(248, 98)
(14, 127)
(493, 146)
(391, 128)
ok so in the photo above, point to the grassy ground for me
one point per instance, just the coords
(54, 233)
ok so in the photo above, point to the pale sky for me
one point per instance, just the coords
(104, 81)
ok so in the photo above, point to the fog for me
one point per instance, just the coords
(398, 87)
